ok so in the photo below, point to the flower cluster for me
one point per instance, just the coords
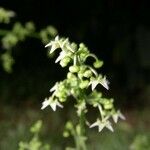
(79, 78)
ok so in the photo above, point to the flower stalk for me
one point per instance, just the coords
(80, 78)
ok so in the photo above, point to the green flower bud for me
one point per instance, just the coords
(65, 61)
(74, 69)
(108, 105)
(81, 45)
(98, 64)
(66, 134)
(84, 84)
(69, 125)
(82, 69)
(70, 75)
(63, 64)
(60, 94)
(78, 129)
(62, 99)
(80, 74)
(87, 73)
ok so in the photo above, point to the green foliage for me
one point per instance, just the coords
(141, 142)
(35, 143)
(80, 77)
(18, 33)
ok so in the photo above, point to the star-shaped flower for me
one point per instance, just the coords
(99, 80)
(54, 44)
(104, 82)
(52, 103)
(118, 115)
(101, 125)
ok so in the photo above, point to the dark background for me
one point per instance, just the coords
(118, 32)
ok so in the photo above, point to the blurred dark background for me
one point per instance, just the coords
(118, 32)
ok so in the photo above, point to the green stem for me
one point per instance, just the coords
(93, 70)
(81, 145)
(82, 123)
(91, 55)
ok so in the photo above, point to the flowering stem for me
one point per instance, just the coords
(79, 140)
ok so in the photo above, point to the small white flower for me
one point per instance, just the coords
(101, 125)
(45, 104)
(118, 115)
(104, 82)
(54, 44)
(52, 103)
(99, 80)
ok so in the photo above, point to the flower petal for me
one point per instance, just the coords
(94, 84)
(108, 126)
(45, 104)
(104, 82)
(60, 57)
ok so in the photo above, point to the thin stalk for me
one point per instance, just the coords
(79, 142)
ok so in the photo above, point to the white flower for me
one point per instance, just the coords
(118, 115)
(104, 82)
(99, 80)
(102, 125)
(99, 124)
(52, 103)
(54, 44)
(45, 104)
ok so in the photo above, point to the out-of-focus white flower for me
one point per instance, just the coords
(118, 115)
(52, 103)
(45, 104)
